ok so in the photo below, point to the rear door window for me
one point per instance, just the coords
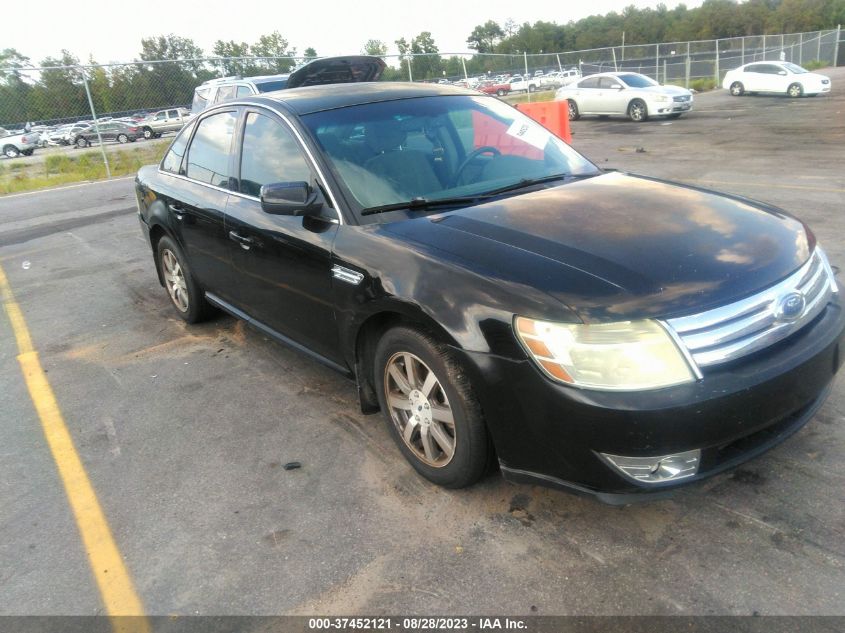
(208, 155)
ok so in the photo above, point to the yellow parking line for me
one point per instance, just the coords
(113, 581)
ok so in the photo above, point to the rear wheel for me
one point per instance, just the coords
(638, 111)
(574, 115)
(185, 293)
(10, 151)
(501, 92)
(81, 142)
(431, 408)
(532, 88)
(148, 133)
(737, 89)
(795, 90)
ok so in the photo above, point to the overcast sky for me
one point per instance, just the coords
(113, 32)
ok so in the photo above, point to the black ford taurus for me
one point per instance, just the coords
(494, 294)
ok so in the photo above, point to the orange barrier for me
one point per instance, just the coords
(489, 131)
(553, 115)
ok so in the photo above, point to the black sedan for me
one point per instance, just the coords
(109, 131)
(494, 294)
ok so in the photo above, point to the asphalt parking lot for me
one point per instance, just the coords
(184, 432)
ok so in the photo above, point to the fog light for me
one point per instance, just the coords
(657, 469)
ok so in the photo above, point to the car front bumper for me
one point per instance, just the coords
(554, 435)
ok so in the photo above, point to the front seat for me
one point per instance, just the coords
(408, 171)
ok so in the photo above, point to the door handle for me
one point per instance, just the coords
(177, 210)
(245, 242)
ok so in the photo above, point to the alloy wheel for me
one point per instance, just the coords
(795, 90)
(637, 111)
(174, 279)
(420, 409)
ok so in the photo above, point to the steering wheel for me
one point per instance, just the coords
(484, 149)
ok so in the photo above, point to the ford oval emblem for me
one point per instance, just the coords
(790, 306)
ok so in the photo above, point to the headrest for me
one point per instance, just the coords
(382, 136)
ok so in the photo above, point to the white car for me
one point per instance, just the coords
(628, 94)
(777, 77)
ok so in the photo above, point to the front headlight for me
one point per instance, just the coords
(629, 355)
(661, 98)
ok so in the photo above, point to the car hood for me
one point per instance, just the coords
(618, 246)
(337, 70)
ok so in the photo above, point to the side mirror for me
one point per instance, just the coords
(619, 87)
(289, 198)
(781, 72)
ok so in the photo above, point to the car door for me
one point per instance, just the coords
(778, 78)
(610, 98)
(283, 262)
(174, 121)
(753, 78)
(197, 208)
(586, 95)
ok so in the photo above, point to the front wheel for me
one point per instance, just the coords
(795, 90)
(638, 111)
(122, 138)
(501, 92)
(573, 110)
(148, 133)
(185, 293)
(431, 408)
(737, 89)
(674, 115)
(81, 142)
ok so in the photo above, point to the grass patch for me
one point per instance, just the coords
(699, 85)
(815, 64)
(63, 169)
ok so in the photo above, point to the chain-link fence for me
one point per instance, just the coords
(47, 97)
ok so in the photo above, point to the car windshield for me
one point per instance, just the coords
(795, 68)
(438, 147)
(638, 81)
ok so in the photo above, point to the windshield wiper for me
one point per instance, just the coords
(430, 203)
(420, 203)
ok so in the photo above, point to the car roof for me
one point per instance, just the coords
(330, 96)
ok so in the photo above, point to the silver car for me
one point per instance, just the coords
(628, 94)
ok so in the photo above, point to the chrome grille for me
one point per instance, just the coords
(682, 98)
(732, 331)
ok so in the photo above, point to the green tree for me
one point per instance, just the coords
(375, 47)
(427, 63)
(484, 37)
(277, 47)
(310, 54)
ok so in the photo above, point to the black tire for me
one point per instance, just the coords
(795, 90)
(674, 115)
(472, 448)
(532, 89)
(122, 138)
(574, 115)
(501, 92)
(27, 152)
(81, 142)
(197, 309)
(638, 111)
(10, 151)
(737, 89)
(148, 133)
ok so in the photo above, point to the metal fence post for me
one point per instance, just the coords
(96, 123)
(836, 47)
(819, 47)
(657, 63)
(717, 63)
(615, 67)
(742, 54)
(410, 74)
(464, 64)
(686, 69)
(764, 49)
(800, 48)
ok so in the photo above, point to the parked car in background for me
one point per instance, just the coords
(627, 94)
(518, 83)
(108, 131)
(494, 88)
(169, 120)
(495, 294)
(775, 78)
(560, 78)
(17, 144)
(327, 70)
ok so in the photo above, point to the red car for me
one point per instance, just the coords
(491, 87)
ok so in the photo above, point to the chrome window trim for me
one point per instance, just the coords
(297, 135)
